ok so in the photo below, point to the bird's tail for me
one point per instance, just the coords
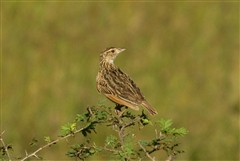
(149, 108)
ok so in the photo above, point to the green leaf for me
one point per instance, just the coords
(101, 115)
(33, 142)
(145, 121)
(47, 139)
(68, 128)
(84, 133)
(128, 150)
(166, 124)
(182, 131)
(101, 103)
(71, 153)
(73, 127)
(144, 142)
(92, 151)
(79, 118)
(111, 141)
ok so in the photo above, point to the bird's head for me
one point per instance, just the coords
(109, 54)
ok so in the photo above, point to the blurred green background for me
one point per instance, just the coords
(183, 55)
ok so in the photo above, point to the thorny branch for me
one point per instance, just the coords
(121, 147)
(122, 128)
(34, 154)
(147, 153)
(4, 146)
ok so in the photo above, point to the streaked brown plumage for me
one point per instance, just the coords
(118, 86)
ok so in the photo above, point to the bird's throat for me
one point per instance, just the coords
(107, 65)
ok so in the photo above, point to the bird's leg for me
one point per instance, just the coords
(118, 110)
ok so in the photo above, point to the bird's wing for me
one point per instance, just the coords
(119, 87)
(122, 102)
(129, 90)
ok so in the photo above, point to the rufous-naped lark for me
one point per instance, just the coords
(118, 86)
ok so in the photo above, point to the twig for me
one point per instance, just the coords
(121, 132)
(147, 154)
(170, 158)
(4, 146)
(34, 154)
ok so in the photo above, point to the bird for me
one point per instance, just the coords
(117, 85)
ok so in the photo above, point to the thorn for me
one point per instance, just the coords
(26, 153)
(3, 132)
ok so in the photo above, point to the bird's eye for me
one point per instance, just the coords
(112, 51)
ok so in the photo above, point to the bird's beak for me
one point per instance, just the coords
(121, 50)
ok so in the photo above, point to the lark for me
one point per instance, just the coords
(117, 85)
